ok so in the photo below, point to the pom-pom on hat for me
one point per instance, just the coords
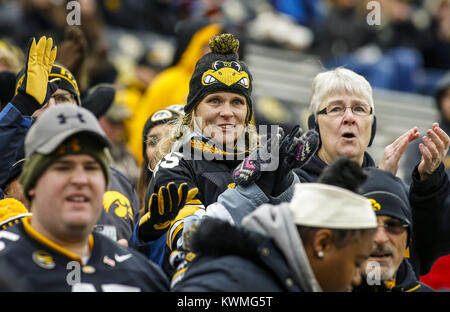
(220, 70)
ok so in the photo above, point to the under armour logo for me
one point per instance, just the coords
(63, 118)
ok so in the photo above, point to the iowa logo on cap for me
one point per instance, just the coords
(228, 73)
(375, 205)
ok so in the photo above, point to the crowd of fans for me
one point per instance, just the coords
(130, 63)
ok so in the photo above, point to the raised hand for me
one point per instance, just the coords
(394, 151)
(33, 88)
(293, 151)
(163, 207)
(433, 149)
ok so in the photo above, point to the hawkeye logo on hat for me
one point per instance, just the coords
(161, 115)
(375, 205)
(228, 73)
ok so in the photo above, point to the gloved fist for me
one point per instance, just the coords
(163, 207)
(293, 151)
(262, 159)
(297, 148)
(33, 87)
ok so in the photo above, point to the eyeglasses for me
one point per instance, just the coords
(63, 98)
(337, 109)
(394, 227)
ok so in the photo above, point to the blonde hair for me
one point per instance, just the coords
(9, 60)
(183, 126)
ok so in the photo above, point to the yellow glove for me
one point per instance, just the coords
(163, 207)
(34, 79)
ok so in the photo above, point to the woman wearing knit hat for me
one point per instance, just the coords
(216, 115)
(209, 141)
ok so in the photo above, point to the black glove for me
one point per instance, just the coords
(262, 159)
(294, 151)
(163, 207)
(33, 88)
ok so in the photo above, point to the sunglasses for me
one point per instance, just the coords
(394, 227)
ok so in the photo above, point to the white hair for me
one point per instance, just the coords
(338, 81)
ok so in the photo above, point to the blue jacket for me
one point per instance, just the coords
(13, 127)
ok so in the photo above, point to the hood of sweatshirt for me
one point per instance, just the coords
(276, 222)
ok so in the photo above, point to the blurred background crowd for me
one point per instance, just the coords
(127, 43)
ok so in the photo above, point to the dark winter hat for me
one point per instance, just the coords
(160, 117)
(67, 82)
(62, 130)
(16, 168)
(99, 99)
(7, 85)
(388, 195)
(220, 70)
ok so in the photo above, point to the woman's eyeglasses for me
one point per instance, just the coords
(339, 110)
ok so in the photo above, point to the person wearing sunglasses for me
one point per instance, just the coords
(388, 267)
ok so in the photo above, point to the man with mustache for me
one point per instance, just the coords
(388, 268)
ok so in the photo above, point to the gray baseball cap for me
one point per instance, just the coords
(58, 123)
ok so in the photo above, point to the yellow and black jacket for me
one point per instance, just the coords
(200, 164)
(31, 262)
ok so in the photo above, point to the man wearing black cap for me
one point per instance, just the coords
(65, 175)
(387, 268)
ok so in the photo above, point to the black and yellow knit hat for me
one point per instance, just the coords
(220, 70)
(67, 80)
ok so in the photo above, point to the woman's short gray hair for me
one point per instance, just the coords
(338, 81)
